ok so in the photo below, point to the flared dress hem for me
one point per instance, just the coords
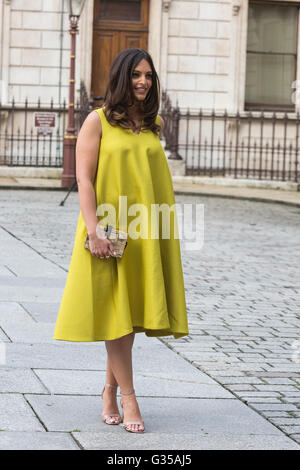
(150, 332)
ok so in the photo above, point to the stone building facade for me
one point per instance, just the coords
(233, 55)
(199, 48)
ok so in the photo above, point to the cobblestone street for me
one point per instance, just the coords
(242, 291)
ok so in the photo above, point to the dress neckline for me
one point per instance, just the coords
(135, 133)
(130, 129)
(140, 128)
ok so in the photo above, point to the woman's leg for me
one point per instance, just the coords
(119, 353)
(110, 404)
(109, 396)
(110, 378)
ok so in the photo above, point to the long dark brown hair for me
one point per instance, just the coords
(119, 93)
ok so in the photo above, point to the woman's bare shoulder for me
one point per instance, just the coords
(92, 124)
(94, 118)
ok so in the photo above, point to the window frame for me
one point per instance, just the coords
(275, 107)
(116, 24)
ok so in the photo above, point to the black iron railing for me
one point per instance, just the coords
(257, 145)
(32, 134)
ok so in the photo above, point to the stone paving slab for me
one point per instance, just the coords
(74, 356)
(42, 311)
(29, 332)
(90, 383)
(5, 273)
(20, 327)
(26, 269)
(151, 349)
(28, 293)
(162, 415)
(20, 381)
(170, 441)
(23, 260)
(17, 415)
(32, 282)
(3, 337)
(13, 311)
(36, 441)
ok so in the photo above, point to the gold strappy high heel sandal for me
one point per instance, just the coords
(111, 416)
(129, 423)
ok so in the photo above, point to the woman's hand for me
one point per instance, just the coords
(100, 247)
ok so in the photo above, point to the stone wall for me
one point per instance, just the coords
(199, 53)
(198, 46)
(38, 51)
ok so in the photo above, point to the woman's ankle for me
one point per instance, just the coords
(127, 392)
(111, 384)
(110, 391)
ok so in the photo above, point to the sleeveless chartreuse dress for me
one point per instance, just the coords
(104, 299)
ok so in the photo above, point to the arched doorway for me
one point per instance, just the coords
(118, 25)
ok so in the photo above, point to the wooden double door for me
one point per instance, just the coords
(118, 25)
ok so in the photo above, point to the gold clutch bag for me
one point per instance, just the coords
(117, 238)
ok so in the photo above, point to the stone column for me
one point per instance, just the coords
(4, 49)
(85, 46)
(238, 55)
(164, 43)
(154, 37)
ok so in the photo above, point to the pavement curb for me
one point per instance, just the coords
(185, 187)
(234, 196)
(39, 188)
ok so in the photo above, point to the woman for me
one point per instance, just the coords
(106, 298)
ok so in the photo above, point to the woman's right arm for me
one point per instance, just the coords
(87, 154)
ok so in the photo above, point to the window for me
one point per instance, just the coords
(271, 61)
(120, 10)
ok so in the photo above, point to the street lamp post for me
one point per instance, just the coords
(69, 171)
